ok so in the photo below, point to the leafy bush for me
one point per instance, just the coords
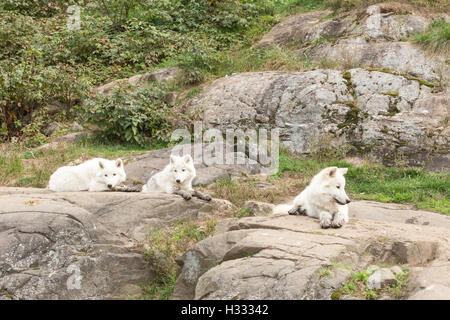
(41, 61)
(130, 116)
(26, 86)
(38, 8)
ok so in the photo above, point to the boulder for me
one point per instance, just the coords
(259, 208)
(282, 256)
(430, 282)
(374, 36)
(83, 245)
(51, 128)
(376, 113)
(381, 278)
(140, 80)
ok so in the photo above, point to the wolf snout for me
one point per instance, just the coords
(178, 180)
(110, 186)
(347, 201)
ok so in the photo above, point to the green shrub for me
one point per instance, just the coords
(130, 116)
(26, 85)
(37, 8)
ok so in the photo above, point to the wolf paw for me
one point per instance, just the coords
(337, 224)
(187, 196)
(207, 197)
(325, 224)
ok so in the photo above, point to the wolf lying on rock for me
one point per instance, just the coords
(93, 175)
(324, 198)
(176, 178)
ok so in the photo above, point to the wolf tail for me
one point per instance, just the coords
(282, 209)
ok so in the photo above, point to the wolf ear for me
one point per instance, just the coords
(332, 171)
(172, 159)
(343, 170)
(119, 163)
(187, 158)
(102, 166)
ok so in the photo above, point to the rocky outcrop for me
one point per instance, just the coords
(388, 116)
(140, 80)
(375, 36)
(282, 256)
(83, 245)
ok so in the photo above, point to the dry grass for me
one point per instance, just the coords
(259, 188)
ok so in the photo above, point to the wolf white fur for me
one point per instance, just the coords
(93, 175)
(175, 178)
(324, 198)
(177, 175)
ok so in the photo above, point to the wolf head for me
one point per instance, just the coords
(181, 168)
(333, 184)
(111, 172)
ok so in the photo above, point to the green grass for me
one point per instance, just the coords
(425, 190)
(436, 38)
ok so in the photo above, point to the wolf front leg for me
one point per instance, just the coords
(185, 194)
(97, 187)
(338, 220)
(325, 219)
(340, 217)
(202, 196)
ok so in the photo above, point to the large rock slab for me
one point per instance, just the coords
(82, 245)
(281, 256)
(389, 116)
(374, 36)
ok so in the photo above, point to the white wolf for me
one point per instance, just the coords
(324, 198)
(93, 175)
(176, 178)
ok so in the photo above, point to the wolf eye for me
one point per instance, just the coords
(114, 174)
(183, 170)
(174, 170)
(338, 187)
(106, 175)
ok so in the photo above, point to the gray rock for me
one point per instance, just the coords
(51, 128)
(82, 245)
(392, 117)
(259, 208)
(140, 80)
(381, 278)
(372, 36)
(430, 282)
(170, 98)
(397, 270)
(280, 257)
